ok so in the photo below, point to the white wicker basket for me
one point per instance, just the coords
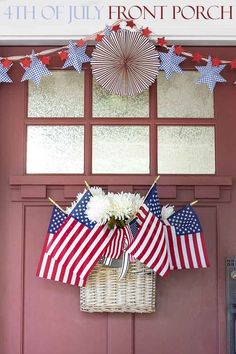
(105, 293)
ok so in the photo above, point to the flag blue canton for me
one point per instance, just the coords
(76, 57)
(153, 203)
(79, 211)
(36, 70)
(134, 227)
(170, 62)
(56, 221)
(185, 221)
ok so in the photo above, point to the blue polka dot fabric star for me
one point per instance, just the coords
(56, 220)
(210, 74)
(170, 62)
(185, 221)
(152, 202)
(35, 71)
(79, 211)
(3, 74)
(76, 57)
(108, 31)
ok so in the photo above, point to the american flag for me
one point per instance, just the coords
(187, 249)
(115, 248)
(78, 214)
(47, 267)
(152, 202)
(78, 244)
(149, 245)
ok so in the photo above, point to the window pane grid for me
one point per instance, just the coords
(150, 120)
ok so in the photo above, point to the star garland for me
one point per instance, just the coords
(210, 74)
(3, 73)
(75, 55)
(34, 69)
(170, 62)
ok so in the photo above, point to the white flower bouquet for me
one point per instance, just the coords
(114, 208)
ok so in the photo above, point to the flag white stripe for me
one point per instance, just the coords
(155, 255)
(154, 241)
(202, 257)
(92, 246)
(51, 268)
(82, 246)
(164, 270)
(67, 239)
(192, 249)
(160, 262)
(45, 257)
(184, 250)
(175, 247)
(72, 246)
(140, 235)
(93, 259)
(168, 247)
(59, 236)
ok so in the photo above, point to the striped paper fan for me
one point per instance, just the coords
(125, 63)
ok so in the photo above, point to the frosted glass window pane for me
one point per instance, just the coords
(189, 150)
(120, 149)
(55, 149)
(107, 105)
(59, 95)
(181, 97)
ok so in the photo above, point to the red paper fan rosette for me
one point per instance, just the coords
(125, 63)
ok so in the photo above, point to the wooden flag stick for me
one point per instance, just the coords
(88, 187)
(193, 203)
(155, 181)
(54, 203)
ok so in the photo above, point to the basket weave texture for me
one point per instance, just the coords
(135, 293)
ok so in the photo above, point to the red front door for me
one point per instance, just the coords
(43, 317)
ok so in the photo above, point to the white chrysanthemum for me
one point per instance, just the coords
(98, 209)
(124, 206)
(137, 201)
(166, 211)
(94, 191)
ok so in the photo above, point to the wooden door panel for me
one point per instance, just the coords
(186, 318)
(53, 322)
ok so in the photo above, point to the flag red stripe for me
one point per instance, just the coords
(181, 257)
(171, 246)
(149, 246)
(205, 251)
(159, 266)
(199, 262)
(155, 243)
(157, 259)
(189, 253)
(80, 236)
(61, 236)
(42, 254)
(66, 257)
(142, 237)
(47, 267)
(79, 265)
